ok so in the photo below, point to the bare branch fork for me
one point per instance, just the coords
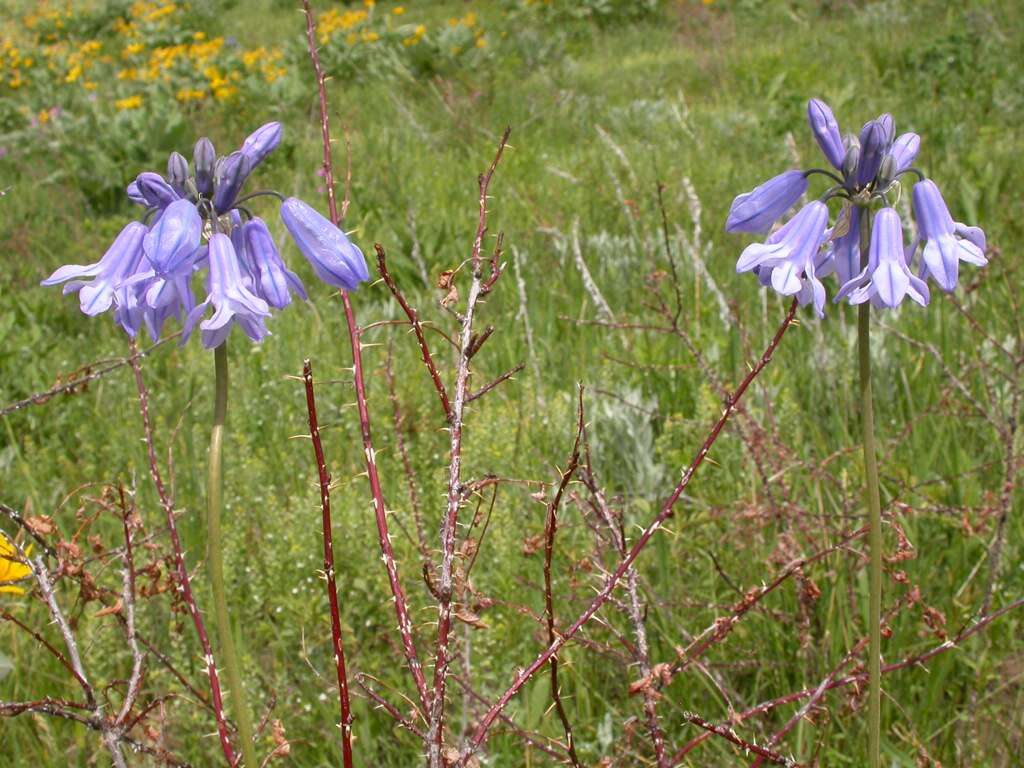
(354, 334)
(324, 477)
(478, 287)
(667, 510)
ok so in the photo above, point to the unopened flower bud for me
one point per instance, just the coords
(156, 192)
(177, 172)
(261, 143)
(205, 157)
(229, 176)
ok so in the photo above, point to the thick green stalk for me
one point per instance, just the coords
(215, 562)
(867, 410)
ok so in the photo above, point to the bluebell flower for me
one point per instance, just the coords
(870, 168)
(205, 158)
(790, 254)
(196, 224)
(826, 132)
(261, 143)
(755, 211)
(904, 151)
(335, 259)
(946, 243)
(155, 190)
(120, 261)
(232, 302)
(874, 145)
(886, 280)
(229, 176)
(276, 282)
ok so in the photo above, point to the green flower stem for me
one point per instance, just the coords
(875, 511)
(215, 562)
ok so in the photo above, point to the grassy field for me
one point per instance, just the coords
(705, 99)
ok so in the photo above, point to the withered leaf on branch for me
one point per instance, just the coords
(110, 609)
(468, 617)
(41, 525)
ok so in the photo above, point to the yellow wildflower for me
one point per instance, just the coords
(43, 117)
(131, 50)
(370, 36)
(225, 93)
(73, 74)
(89, 85)
(12, 567)
(199, 36)
(398, 10)
(481, 42)
(132, 102)
(186, 95)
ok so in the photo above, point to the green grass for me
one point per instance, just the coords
(707, 95)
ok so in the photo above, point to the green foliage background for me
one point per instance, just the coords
(604, 101)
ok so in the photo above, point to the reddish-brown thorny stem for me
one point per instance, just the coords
(324, 478)
(550, 529)
(184, 585)
(666, 512)
(380, 512)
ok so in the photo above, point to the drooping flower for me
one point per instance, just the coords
(335, 259)
(149, 273)
(232, 302)
(755, 211)
(12, 567)
(870, 167)
(887, 279)
(789, 256)
(276, 282)
(946, 243)
(121, 260)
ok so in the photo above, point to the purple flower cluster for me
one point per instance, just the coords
(867, 170)
(197, 224)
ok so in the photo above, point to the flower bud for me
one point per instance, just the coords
(134, 194)
(177, 172)
(205, 157)
(873, 146)
(156, 192)
(886, 173)
(826, 131)
(334, 258)
(261, 143)
(904, 151)
(229, 176)
(756, 210)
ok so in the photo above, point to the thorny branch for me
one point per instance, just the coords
(612, 581)
(324, 477)
(442, 658)
(354, 333)
(550, 529)
(184, 583)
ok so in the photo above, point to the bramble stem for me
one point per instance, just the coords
(875, 513)
(215, 560)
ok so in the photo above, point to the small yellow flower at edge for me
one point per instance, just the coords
(12, 568)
